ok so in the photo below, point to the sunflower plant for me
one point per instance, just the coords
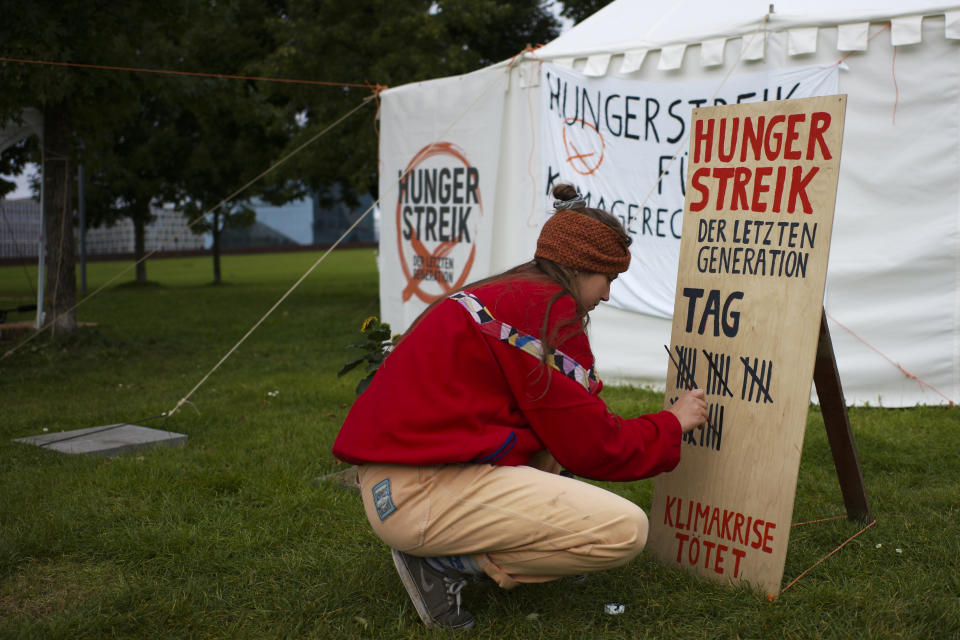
(378, 344)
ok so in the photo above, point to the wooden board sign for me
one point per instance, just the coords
(758, 216)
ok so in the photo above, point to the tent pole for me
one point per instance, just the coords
(42, 253)
(82, 212)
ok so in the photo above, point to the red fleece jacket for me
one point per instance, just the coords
(451, 393)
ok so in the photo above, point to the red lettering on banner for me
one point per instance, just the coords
(682, 537)
(752, 138)
(733, 532)
(756, 544)
(723, 175)
(737, 523)
(695, 181)
(792, 134)
(759, 189)
(759, 138)
(740, 181)
(773, 153)
(767, 537)
(775, 140)
(798, 188)
(666, 512)
(748, 192)
(703, 137)
(727, 531)
(719, 561)
(778, 193)
(819, 123)
(704, 512)
(735, 125)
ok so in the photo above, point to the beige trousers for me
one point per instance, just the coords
(521, 524)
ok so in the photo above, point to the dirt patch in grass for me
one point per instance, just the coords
(43, 587)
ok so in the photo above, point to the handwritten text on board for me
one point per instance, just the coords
(755, 240)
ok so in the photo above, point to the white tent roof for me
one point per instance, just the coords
(892, 298)
(641, 24)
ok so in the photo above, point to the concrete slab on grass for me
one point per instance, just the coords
(109, 440)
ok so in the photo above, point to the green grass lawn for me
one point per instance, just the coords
(231, 537)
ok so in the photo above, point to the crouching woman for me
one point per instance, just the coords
(461, 435)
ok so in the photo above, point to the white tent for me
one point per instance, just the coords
(893, 296)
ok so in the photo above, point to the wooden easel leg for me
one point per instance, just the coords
(827, 381)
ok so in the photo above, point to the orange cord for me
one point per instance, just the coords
(797, 579)
(896, 88)
(375, 88)
(919, 381)
(798, 524)
(885, 27)
(528, 49)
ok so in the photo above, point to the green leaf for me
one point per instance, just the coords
(350, 366)
(362, 386)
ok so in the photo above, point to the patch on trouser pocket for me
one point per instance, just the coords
(382, 499)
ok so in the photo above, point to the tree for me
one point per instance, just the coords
(223, 133)
(77, 105)
(194, 141)
(579, 10)
(138, 171)
(235, 130)
(388, 43)
(142, 137)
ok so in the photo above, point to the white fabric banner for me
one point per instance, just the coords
(613, 138)
(439, 152)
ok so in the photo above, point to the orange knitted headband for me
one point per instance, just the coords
(581, 242)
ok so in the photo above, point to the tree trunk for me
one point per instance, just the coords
(216, 247)
(139, 249)
(61, 282)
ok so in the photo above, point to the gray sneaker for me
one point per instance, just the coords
(435, 594)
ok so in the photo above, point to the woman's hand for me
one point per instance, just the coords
(691, 409)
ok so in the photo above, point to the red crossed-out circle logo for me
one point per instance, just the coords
(587, 160)
(438, 206)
